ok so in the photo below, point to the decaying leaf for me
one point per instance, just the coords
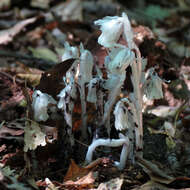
(75, 172)
(78, 177)
(85, 182)
(7, 171)
(4, 4)
(155, 173)
(6, 131)
(50, 185)
(113, 184)
(17, 185)
(33, 136)
(13, 179)
(33, 79)
(43, 4)
(164, 111)
(69, 10)
(150, 185)
(7, 35)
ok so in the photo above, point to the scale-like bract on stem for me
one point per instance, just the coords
(122, 116)
(66, 97)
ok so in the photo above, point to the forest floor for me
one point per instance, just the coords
(32, 41)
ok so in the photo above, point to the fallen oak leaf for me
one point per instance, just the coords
(113, 184)
(80, 178)
(75, 172)
(86, 182)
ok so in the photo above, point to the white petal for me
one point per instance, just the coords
(112, 28)
(70, 52)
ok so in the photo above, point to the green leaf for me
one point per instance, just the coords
(44, 53)
(157, 12)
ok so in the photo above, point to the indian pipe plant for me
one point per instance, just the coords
(87, 78)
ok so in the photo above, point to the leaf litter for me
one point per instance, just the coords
(163, 165)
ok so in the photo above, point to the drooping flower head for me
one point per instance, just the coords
(40, 105)
(112, 28)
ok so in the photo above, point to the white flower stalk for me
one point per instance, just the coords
(128, 33)
(40, 104)
(69, 52)
(109, 38)
(153, 85)
(85, 75)
(124, 121)
(117, 62)
(66, 97)
(123, 141)
(86, 65)
(92, 96)
(136, 78)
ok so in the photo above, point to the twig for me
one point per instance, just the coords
(11, 77)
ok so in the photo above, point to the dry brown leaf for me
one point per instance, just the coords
(113, 184)
(78, 177)
(5, 4)
(33, 79)
(75, 172)
(6, 36)
(150, 185)
(155, 173)
(5, 131)
(43, 4)
(85, 182)
(69, 10)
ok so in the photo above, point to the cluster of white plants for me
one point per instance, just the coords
(104, 93)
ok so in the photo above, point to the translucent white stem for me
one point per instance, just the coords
(123, 141)
(112, 98)
(83, 111)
